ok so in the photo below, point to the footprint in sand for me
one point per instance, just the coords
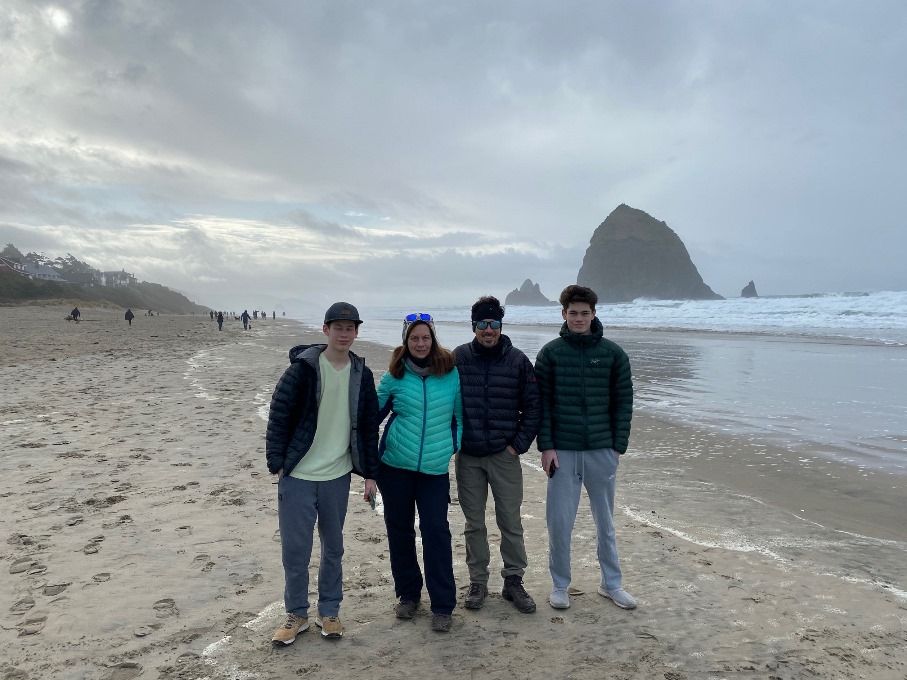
(52, 589)
(103, 577)
(20, 565)
(124, 671)
(184, 530)
(22, 606)
(31, 626)
(165, 608)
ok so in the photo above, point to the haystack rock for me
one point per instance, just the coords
(527, 295)
(749, 290)
(633, 255)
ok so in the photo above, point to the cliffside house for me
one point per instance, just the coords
(119, 279)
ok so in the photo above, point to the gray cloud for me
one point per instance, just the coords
(235, 143)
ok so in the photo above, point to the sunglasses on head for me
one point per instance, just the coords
(417, 316)
(482, 325)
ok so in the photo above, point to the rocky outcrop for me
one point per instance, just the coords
(749, 290)
(632, 255)
(527, 295)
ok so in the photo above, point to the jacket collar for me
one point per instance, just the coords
(595, 335)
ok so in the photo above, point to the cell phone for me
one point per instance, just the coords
(371, 498)
(552, 468)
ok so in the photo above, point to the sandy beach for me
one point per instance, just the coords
(140, 536)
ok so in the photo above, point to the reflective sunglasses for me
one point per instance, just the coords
(417, 316)
(482, 325)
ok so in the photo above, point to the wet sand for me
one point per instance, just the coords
(141, 538)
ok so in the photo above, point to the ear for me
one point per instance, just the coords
(564, 314)
(326, 329)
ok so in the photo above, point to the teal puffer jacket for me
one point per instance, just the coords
(587, 392)
(426, 421)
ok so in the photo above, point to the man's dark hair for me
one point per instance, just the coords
(487, 307)
(577, 293)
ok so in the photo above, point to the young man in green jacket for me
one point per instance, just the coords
(587, 403)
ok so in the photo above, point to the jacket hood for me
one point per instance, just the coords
(310, 354)
(596, 333)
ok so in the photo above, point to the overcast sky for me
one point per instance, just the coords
(253, 154)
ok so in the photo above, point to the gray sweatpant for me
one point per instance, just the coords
(597, 471)
(300, 503)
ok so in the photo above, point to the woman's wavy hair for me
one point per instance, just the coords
(441, 361)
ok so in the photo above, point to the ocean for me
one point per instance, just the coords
(823, 373)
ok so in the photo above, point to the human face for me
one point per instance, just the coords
(578, 316)
(488, 337)
(341, 334)
(419, 341)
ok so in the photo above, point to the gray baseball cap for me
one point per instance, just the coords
(342, 311)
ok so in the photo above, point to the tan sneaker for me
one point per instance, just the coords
(293, 626)
(330, 627)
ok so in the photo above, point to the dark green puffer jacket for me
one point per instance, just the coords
(587, 392)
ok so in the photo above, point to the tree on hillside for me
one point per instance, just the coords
(12, 253)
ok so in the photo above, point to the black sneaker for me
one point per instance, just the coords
(440, 623)
(516, 593)
(406, 609)
(475, 596)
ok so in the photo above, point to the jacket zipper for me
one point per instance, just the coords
(424, 418)
(582, 372)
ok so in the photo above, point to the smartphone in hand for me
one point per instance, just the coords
(372, 497)
(552, 468)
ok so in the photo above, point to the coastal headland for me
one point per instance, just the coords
(140, 536)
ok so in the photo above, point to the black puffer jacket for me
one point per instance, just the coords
(501, 403)
(294, 413)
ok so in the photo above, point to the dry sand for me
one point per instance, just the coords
(140, 540)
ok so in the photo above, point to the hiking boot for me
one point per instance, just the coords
(475, 596)
(286, 634)
(516, 593)
(330, 627)
(440, 623)
(406, 609)
(618, 596)
(559, 599)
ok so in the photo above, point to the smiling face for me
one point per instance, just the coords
(341, 334)
(489, 337)
(578, 316)
(418, 342)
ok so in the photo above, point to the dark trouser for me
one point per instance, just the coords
(504, 474)
(300, 504)
(220, 325)
(402, 492)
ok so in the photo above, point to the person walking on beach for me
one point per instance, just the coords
(75, 314)
(245, 319)
(323, 425)
(587, 403)
(421, 391)
(129, 316)
(220, 321)
(501, 412)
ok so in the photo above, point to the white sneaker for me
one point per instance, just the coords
(559, 599)
(618, 596)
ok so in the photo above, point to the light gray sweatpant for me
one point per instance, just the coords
(597, 471)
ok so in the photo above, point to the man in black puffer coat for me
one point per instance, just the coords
(501, 412)
(322, 425)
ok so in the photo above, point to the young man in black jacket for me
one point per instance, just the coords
(501, 412)
(323, 425)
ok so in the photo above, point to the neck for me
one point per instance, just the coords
(338, 357)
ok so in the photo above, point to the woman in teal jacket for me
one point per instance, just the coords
(421, 391)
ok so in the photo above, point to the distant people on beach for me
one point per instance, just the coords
(245, 320)
(255, 314)
(273, 315)
(220, 321)
(322, 425)
(421, 391)
(587, 403)
(212, 315)
(501, 413)
(129, 316)
(75, 314)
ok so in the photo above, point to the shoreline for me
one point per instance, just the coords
(138, 513)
